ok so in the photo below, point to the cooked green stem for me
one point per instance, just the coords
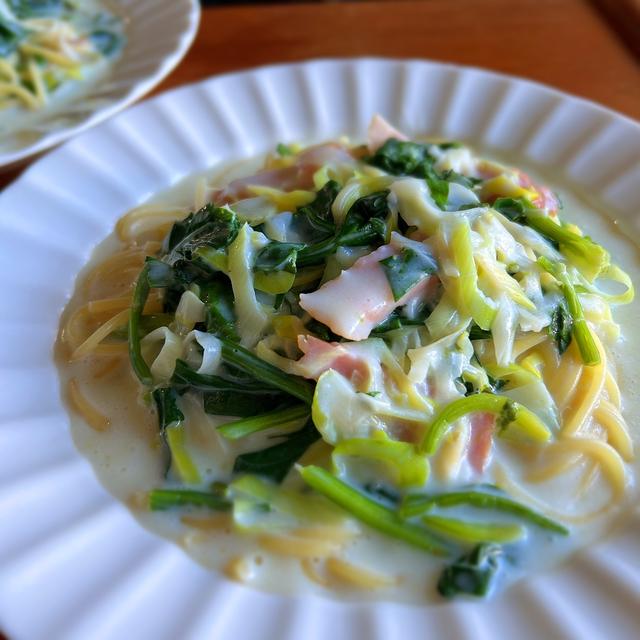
(474, 532)
(237, 356)
(281, 418)
(370, 512)
(162, 499)
(581, 332)
(418, 504)
(140, 295)
(508, 411)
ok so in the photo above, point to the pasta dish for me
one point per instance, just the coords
(390, 367)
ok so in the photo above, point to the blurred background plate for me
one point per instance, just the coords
(158, 34)
(73, 562)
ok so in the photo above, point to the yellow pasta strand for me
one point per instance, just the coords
(49, 54)
(587, 393)
(216, 522)
(612, 389)
(91, 343)
(610, 461)
(446, 464)
(309, 569)
(355, 576)
(91, 415)
(15, 90)
(618, 437)
(146, 219)
(288, 545)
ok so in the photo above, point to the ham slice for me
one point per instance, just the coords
(481, 440)
(380, 131)
(320, 356)
(360, 298)
(297, 176)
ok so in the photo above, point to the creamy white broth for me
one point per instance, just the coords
(127, 459)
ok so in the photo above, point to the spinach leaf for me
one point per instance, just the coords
(477, 333)
(211, 226)
(155, 273)
(403, 158)
(217, 296)
(242, 403)
(365, 222)
(561, 327)
(250, 364)
(276, 461)
(106, 42)
(439, 189)
(163, 499)
(512, 208)
(166, 400)
(472, 573)
(185, 376)
(407, 269)
(278, 256)
(36, 8)
(316, 215)
(283, 150)
(466, 181)
(10, 35)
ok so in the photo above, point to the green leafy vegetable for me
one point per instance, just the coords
(402, 158)
(217, 296)
(10, 35)
(471, 532)
(283, 150)
(561, 327)
(172, 431)
(366, 221)
(281, 418)
(369, 511)
(590, 258)
(278, 256)
(36, 8)
(510, 414)
(169, 415)
(472, 573)
(406, 270)
(580, 330)
(276, 461)
(249, 363)
(211, 226)
(317, 215)
(163, 499)
(106, 42)
(415, 505)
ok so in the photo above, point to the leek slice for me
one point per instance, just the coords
(517, 421)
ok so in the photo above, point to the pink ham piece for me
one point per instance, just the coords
(298, 176)
(380, 131)
(546, 199)
(360, 298)
(481, 440)
(320, 356)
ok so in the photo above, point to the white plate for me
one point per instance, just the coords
(158, 34)
(73, 562)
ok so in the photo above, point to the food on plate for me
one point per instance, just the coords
(51, 48)
(387, 368)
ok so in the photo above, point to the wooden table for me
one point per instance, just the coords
(564, 43)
